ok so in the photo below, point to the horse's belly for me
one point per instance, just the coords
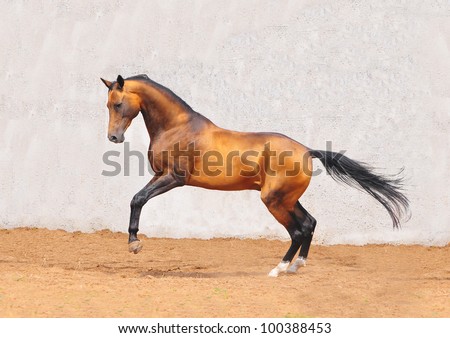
(224, 182)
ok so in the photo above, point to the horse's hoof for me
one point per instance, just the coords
(299, 262)
(135, 247)
(273, 273)
(292, 270)
(281, 267)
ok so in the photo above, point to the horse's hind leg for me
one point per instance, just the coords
(307, 225)
(287, 218)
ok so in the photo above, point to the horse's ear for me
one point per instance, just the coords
(120, 81)
(107, 83)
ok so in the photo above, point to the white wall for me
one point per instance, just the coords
(371, 76)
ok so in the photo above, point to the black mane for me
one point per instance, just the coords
(165, 90)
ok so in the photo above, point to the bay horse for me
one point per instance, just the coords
(186, 148)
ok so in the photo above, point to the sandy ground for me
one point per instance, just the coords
(59, 274)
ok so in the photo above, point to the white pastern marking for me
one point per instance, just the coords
(299, 262)
(281, 267)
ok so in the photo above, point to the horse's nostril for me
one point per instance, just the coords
(113, 138)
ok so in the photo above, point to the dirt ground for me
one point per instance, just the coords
(59, 274)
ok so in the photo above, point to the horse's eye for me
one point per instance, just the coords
(118, 105)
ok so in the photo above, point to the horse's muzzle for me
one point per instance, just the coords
(116, 139)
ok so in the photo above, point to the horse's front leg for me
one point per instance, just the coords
(157, 186)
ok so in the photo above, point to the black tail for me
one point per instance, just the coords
(386, 190)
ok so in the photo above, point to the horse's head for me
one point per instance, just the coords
(123, 106)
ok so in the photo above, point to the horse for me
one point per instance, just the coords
(186, 148)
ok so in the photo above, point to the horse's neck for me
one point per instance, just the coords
(162, 113)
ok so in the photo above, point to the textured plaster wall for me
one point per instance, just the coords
(373, 77)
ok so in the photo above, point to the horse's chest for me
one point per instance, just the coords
(164, 156)
(156, 158)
